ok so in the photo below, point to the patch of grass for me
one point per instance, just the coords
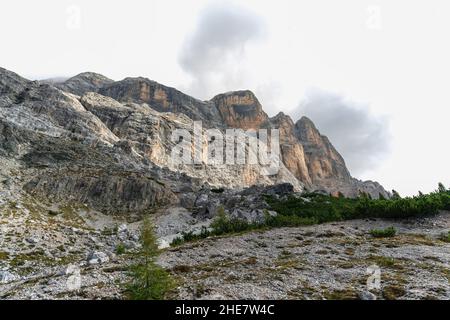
(25, 263)
(200, 290)
(284, 254)
(381, 261)
(349, 251)
(250, 261)
(4, 255)
(409, 239)
(182, 268)
(283, 264)
(344, 294)
(223, 225)
(445, 237)
(393, 285)
(12, 204)
(383, 233)
(345, 264)
(446, 273)
(393, 292)
(109, 231)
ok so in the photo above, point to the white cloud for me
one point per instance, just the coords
(214, 53)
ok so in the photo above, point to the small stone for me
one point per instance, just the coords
(123, 228)
(135, 237)
(367, 295)
(71, 269)
(97, 257)
(122, 232)
(163, 243)
(7, 277)
(53, 212)
(32, 240)
(77, 231)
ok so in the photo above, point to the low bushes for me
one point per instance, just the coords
(314, 208)
(383, 233)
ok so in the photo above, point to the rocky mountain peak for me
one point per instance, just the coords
(282, 119)
(84, 82)
(326, 166)
(240, 109)
(307, 131)
(11, 82)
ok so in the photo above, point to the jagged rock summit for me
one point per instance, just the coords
(83, 83)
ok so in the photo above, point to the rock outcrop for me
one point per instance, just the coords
(162, 99)
(324, 162)
(83, 83)
(292, 151)
(240, 109)
(326, 166)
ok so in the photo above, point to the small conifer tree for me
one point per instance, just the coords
(149, 281)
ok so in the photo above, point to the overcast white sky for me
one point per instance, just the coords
(373, 75)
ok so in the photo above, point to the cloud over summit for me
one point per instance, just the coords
(213, 53)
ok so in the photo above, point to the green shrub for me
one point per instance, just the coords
(149, 281)
(314, 208)
(326, 208)
(223, 224)
(383, 233)
(190, 236)
(280, 221)
(177, 241)
(120, 249)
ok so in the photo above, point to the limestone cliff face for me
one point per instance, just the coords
(148, 133)
(240, 109)
(326, 166)
(292, 151)
(45, 109)
(65, 152)
(161, 98)
(308, 157)
(324, 162)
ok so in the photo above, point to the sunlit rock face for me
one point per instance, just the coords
(293, 154)
(240, 109)
(324, 162)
